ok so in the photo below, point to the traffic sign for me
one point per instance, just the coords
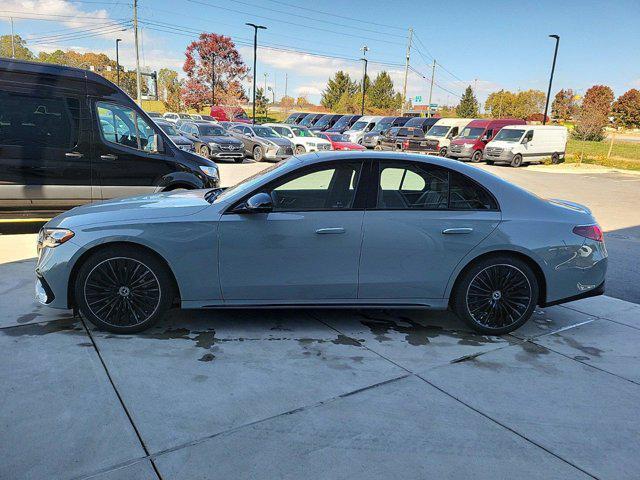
(417, 99)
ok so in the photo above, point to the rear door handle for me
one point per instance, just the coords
(328, 231)
(457, 231)
(73, 155)
(109, 156)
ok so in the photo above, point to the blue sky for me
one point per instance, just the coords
(491, 44)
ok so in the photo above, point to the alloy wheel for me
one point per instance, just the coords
(499, 296)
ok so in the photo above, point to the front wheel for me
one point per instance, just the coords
(516, 161)
(496, 295)
(300, 150)
(378, 147)
(204, 151)
(477, 156)
(258, 153)
(443, 152)
(123, 289)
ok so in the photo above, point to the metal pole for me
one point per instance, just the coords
(255, 54)
(406, 72)
(433, 74)
(286, 80)
(118, 40)
(13, 44)
(553, 67)
(213, 79)
(135, 34)
(364, 49)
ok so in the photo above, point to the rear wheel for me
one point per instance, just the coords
(477, 156)
(489, 162)
(496, 295)
(555, 159)
(123, 289)
(378, 147)
(516, 161)
(257, 153)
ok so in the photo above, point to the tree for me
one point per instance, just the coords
(626, 109)
(169, 89)
(286, 104)
(348, 103)
(468, 106)
(336, 87)
(594, 113)
(262, 103)
(302, 101)
(229, 68)
(20, 46)
(564, 105)
(231, 99)
(522, 105)
(381, 94)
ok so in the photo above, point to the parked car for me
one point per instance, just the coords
(370, 139)
(294, 118)
(516, 144)
(154, 115)
(182, 142)
(303, 232)
(363, 125)
(397, 138)
(302, 138)
(213, 141)
(69, 136)
(195, 116)
(325, 122)
(470, 144)
(439, 136)
(339, 141)
(184, 117)
(208, 118)
(310, 119)
(262, 143)
(344, 123)
(171, 117)
(424, 123)
(221, 115)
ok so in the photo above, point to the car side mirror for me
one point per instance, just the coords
(260, 202)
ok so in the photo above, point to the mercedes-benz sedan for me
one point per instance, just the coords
(330, 229)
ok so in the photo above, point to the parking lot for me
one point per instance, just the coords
(327, 393)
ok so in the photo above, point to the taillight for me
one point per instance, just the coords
(405, 144)
(592, 232)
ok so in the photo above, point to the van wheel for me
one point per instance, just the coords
(555, 159)
(496, 295)
(300, 150)
(477, 156)
(443, 152)
(257, 153)
(123, 289)
(204, 151)
(516, 161)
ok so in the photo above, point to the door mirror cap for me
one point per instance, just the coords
(258, 203)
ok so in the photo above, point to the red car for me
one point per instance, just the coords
(239, 115)
(339, 141)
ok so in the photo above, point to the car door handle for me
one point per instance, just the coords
(109, 156)
(328, 231)
(457, 231)
(73, 155)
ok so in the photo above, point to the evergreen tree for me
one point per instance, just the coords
(381, 94)
(19, 44)
(336, 87)
(468, 106)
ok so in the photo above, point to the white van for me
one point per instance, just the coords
(438, 138)
(516, 144)
(363, 125)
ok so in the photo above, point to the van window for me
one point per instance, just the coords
(453, 132)
(529, 135)
(39, 121)
(123, 126)
(471, 133)
(509, 135)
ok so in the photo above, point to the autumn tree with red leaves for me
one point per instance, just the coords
(229, 71)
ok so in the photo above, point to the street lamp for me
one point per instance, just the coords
(553, 67)
(213, 79)
(255, 54)
(118, 40)
(364, 49)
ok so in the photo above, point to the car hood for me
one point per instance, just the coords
(143, 207)
(502, 144)
(224, 139)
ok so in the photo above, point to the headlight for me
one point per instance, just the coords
(214, 145)
(52, 237)
(210, 171)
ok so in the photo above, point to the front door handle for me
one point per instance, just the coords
(328, 231)
(73, 155)
(109, 156)
(457, 231)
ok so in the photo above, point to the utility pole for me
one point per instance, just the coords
(255, 54)
(433, 74)
(264, 92)
(406, 72)
(364, 49)
(286, 80)
(135, 34)
(553, 67)
(118, 40)
(13, 44)
(213, 79)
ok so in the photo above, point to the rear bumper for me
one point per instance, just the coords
(594, 292)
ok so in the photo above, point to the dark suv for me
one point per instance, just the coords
(69, 136)
(213, 141)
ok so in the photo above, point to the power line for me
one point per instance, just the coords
(72, 32)
(422, 45)
(435, 83)
(79, 36)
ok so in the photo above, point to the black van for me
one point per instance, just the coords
(69, 136)
(425, 123)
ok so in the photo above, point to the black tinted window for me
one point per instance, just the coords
(38, 121)
(403, 186)
(465, 194)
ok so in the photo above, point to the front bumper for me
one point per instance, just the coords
(464, 153)
(226, 155)
(52, 274)
(278, 153)
(498, 156)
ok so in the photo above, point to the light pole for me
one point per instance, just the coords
(213, 79)
(264, 91)
(255, 54)
(553, 67)
(118, 40)
(364, 49)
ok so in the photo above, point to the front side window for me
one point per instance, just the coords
(329, 188)
(469, 133)
(123, 126)
(509, 135)
(438, 131)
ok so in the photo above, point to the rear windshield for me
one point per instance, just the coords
(471, 133)
(438, 130)
(337, 137)
(509, 135)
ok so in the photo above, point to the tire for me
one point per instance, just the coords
(477, 156)
(496, 295)
(378, 147)
(204, 151)
(123, 289)
(257, 153)
(300, 150)
(443, 152)
(489, 162)
(516, 161)
(555, 159)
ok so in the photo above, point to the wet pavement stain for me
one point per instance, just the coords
(200, 378)
(587, 350)
(581, 358)
(28, 317)
(207, 357)
(69, 325)
(344, 340)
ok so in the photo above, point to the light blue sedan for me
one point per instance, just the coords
(331, 229)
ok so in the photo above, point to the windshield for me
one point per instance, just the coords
(509, 135)
(207, 117)
(359, 125)
(249, 182)
(415, 122)
(343, 121)
(265, 132)
(185, 116)
(382, 125)
(302, 132)
(324, 121)
(168, 129)
(337, 137)
(438, 131)
(212, 131)
(306, 121)
(471, 133)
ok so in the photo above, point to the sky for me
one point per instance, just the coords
(488, 45)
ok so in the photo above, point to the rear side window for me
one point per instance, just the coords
(465, 194)
(123, 126)
(39, 121)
